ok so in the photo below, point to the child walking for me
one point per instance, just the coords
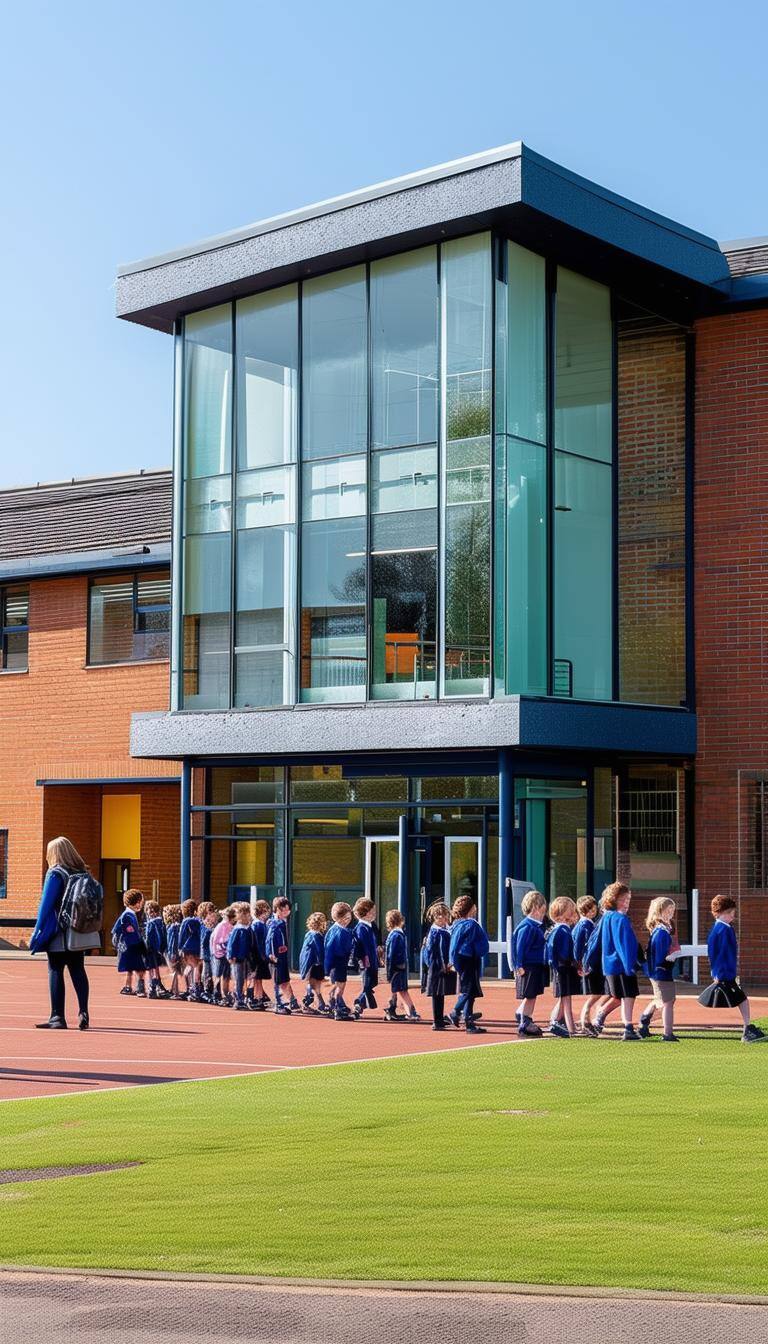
(190, 937)
(173, 958)
(209, 918)
(723, 953)
(440, 979)
(468, 945)
(565, 980)
(396, 965)
(620, 949)
(366, 952)
(154, 957)
(127, 939)
(277, 951)
(339, 942)
(261, 970)
(661, 961)
(528, 951)
(220, 966)
(592, 982)
(312, 963)
(239, 948)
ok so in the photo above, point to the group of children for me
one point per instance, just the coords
(591, 950)
(583, 949)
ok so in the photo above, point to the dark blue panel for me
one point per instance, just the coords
(594, 727)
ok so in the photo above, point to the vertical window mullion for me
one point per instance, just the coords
(233, 506)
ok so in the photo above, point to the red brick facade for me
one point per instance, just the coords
(731, 614)
(64, 720)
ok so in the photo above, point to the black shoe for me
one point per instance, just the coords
(473, 1030)
(438, 1026)
(751, 1034)
(83, 1022)
(672, 1037)
(454, 1019)
(644, 1028)
(629, 1034)
(53, 1024)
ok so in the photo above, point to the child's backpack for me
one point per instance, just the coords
(82, 905)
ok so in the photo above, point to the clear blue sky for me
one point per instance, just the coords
(130, 128)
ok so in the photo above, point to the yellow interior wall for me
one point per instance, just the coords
(251, 863)
(121, 826)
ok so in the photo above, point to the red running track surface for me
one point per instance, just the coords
(134, 1042)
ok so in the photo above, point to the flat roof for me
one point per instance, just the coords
(511, 187)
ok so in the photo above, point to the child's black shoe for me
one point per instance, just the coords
(644, 1027)
(438, 1026)
(752, 1034)
(473, 1030)
(629, 1034)
(529, 1028)
(126, 990)
(559, 1029)
(672, 1038)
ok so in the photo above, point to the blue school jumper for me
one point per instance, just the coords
(619, 944)
(312, 956)
(259, 959)
(239, 945)
(156, 943)
(582, 932)
(338, 945)
(528, 949)
(172, 954)
(366, 954)
(190, 935)
(277, 950)
(658, 951)
(127, 939)
(565, 981)
(468, 945)
(723, 951)
(436, 959)
(396, 961)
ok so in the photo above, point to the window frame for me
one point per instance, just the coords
(4, 863)
(135, 575)
(6, 629)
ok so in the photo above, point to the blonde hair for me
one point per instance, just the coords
(205, 908)
(171, 914)
(61, 853)
(532, 900)
(394, 920)
(655, 911)
(563, 908)
(586, 906)
(436, 909)
(316, 922)
(243, 912)
(260, 908)
(152, 909)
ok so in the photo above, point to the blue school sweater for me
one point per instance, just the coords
(239, 943)
(437, 948)
(560, 947)
(172, 941)
(658, 948)
(126, 930)
(338, 945)
(582, 932)
(205, 942)
(529, 947)
(396, 953)
(277, 937)
(155, 936)
(259, 931)
(723, 951)
(366, 948)
(312, 953)
(619, 944)
(468, 939)
(189, 936)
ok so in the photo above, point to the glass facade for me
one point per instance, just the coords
(459, 471)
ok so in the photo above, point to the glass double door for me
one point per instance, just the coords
(551, 835)
(440, 868)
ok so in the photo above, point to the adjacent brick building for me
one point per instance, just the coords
(84, 600)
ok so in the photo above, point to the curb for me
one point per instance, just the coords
(398, 1286)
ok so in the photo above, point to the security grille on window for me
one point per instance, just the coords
(129, 618)
(14, 626)
(650, 816)
(758, 849)
(3, 865)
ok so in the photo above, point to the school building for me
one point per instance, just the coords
(84, 631)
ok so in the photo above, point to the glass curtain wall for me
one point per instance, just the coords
(583, 490)
(207, 544)
(404, 492)
(468, 356)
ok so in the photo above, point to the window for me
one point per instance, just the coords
(758, 846)
(334, 348)
(14, 629)
(333, 577)
(129, 618)
(3, 865)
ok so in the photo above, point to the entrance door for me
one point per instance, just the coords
(382, 862)
(463, 866)
(115, 879)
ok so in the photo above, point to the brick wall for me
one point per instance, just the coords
(62, 719)
(731, 606)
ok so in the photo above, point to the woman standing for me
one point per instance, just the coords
(64, 947)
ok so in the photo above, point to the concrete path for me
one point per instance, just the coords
(60, 1309)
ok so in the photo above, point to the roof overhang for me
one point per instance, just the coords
(513, 189)
(19, 570)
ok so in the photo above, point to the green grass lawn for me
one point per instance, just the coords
(570, 1162)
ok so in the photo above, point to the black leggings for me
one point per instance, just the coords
(74, 962)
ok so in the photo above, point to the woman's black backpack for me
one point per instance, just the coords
(82, 905)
